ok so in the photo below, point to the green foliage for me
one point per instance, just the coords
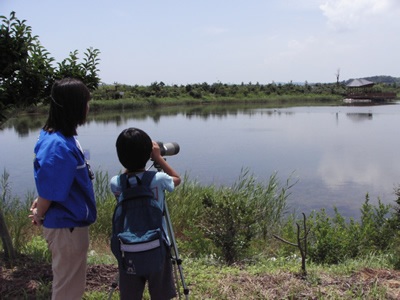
(37, 249)
(26, 70)
(229, 222)
(19, 225)
(86, 71)
(268, 199)
(233, 217)
(105, 202)
(186, 211)
(394, 225)
(333, 239)
(329, 239)
(15, 214)
(288, 230)
(159, 93)
(220, 92)
(25, 66)
(376, 232)
(393, 253)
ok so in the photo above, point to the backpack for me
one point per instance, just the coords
(137, 233)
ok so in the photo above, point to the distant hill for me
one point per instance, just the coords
(380, 79)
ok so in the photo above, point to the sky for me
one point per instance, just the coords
(188, 41)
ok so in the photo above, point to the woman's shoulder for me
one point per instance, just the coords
(56, 138)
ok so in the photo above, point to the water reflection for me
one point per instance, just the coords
(337, 154)
(27, 123)
(360, 116)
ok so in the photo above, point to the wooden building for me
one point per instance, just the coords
(362, 90)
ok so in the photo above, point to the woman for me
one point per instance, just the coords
(65, 205)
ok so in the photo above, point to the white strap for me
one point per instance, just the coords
(140, 247)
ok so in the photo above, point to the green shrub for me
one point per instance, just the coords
(233, 217)
(329, 240)
(376, 231)
(37, 248)
(229, 222)
(185, 209)
(15, 213)
(334, 239)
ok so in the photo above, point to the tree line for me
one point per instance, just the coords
(214, 90)
(235, 91)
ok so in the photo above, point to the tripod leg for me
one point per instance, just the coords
(176, 278)
(113, 286)
(176, 258)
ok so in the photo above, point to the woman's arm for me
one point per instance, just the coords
(39, 208)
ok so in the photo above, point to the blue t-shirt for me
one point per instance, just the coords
(62, 176)
(161, 182)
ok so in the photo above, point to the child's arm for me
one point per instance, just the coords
(158, 159)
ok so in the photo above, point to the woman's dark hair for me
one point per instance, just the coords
(68, 106)
(134, 148)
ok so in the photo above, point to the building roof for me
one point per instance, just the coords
(360, 83)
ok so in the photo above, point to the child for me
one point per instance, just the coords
(134, 149)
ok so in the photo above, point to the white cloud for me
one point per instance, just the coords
(347, 14)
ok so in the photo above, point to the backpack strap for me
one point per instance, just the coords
(145, 181)
(147, 178)
(123, 181)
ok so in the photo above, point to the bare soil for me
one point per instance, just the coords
(21, 281)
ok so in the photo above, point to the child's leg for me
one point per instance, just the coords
(162, 285)
(131, 286)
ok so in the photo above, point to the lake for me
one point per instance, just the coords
(336, 154)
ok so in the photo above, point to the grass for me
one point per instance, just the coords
(209, 278)
(266, 269)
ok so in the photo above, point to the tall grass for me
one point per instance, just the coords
(15, 213)
(235, 221)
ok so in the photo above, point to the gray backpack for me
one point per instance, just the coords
(137, 239)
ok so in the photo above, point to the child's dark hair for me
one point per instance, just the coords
(134, 148)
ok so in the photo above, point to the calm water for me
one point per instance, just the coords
(337, 154)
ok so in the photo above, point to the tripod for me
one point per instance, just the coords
(176, 261)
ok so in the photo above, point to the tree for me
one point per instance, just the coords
(337, 76)
(26, 67)
(86, 71)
